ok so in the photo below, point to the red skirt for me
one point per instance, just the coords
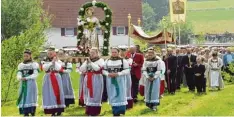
(162, 87)
(141, 90)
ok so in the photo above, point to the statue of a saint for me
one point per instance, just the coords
(90, 23)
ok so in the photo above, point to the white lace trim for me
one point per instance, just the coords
(27, 105)
(93, 104)
(152, 101)
(54, 106)
(69, 97)
(129, 98)
(119, 104)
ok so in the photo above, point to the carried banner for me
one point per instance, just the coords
(178, 10)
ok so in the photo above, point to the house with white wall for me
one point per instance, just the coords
(64, 20)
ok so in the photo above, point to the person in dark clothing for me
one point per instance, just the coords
(188, 62)
(199, 75)
(104, 94)
(179, 68)
(171, 65)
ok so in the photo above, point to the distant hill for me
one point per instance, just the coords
(208, 16)
(211, 16)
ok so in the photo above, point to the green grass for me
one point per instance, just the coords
(212, 21)
(183, 103)
(213, 27)
(210, 4)
(211, 15)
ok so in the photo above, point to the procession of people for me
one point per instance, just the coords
(120, 77)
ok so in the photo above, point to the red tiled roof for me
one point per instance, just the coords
(65, 12)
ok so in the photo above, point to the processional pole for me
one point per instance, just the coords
(174, 30)
(164, 31)
(129, 29)
(179, 28)
(139, 22)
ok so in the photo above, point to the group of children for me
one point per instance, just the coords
(57, 90)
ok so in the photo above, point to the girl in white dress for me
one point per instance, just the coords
(116, 69)
(93, 83)
(27, 74)
(215, 78)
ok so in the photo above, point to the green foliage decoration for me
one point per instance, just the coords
(106, 23)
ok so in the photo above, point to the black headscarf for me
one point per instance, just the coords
(28, 51)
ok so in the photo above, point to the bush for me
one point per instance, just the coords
(31, 36)
(229, 77)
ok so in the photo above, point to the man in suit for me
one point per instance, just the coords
(171, 65)
(138, 61)
(179, 75)
(188, 62)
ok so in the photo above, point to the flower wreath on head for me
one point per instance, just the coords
(106, 23)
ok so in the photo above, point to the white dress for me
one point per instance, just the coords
(52, 95)
(214, 73)
(27, 94)
(93, 97)
(67, 83)
(129, 81)
(152, 89)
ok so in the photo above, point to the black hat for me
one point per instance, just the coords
(28, 51)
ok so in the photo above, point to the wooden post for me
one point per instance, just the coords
(179, 34)
(164, 31)
(174, 28)
(139, 22)
(129, 28)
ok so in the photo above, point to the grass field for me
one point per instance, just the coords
(211, 15)
(183, 103)
(211, 21)
(205, 4)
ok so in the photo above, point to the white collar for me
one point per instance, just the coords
(133, 55)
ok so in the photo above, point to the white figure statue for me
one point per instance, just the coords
(90, 38)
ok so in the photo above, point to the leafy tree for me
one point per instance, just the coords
(149, 22)
(186, 29)
(24, 23)
(160, 7)
(166, 23)
(200, 39)
(141, 43)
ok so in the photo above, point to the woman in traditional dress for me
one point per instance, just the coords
(52, 93)
(93, 83)
(27, 74)
(215, 78)
(81, 83)
(66, 80)
(123, 54)
(116, 69)
(153, 73)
